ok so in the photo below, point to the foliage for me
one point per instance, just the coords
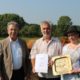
(54, 30)
(33, 30)
(63, 23)
(5, 18)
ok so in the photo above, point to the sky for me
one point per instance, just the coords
(35, 11)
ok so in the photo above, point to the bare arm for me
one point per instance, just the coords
(33, 65)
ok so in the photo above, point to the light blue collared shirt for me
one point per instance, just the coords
(16, 54)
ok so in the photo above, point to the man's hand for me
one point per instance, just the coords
(33, 69)
(50, 63)
(1, 78)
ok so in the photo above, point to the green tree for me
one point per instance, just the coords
(31, 30)
(5, 18)
(24, 31)
(54, 30)
(62, 25)
(34, 30)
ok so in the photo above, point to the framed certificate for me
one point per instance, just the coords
(62, 65)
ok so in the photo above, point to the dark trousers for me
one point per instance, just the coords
(18, 74)
(49, 78)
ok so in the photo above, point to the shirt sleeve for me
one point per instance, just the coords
(34, 51)
(64, 50)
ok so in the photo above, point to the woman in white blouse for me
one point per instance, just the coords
(73, 49)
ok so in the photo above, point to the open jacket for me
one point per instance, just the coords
(6, 65)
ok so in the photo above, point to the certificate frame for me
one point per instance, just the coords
(62, 65)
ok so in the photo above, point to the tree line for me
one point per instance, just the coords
(33, 30)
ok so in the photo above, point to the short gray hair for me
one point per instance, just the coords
(46, 22)
(13, 23)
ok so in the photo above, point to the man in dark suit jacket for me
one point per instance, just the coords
(14, 57)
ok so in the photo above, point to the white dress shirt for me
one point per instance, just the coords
(52, 48)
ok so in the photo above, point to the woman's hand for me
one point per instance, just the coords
(76, 71)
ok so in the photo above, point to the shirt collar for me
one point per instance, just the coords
(12, 40)
(52, 38)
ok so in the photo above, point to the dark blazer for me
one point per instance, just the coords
(1, 56)
(6, 59)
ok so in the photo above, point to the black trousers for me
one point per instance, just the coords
(49, 78)
(18, 74)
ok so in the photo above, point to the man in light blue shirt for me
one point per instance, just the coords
(15, 52)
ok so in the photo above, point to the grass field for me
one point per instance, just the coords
(30, 41)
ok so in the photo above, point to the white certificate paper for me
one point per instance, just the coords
(41, 63)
